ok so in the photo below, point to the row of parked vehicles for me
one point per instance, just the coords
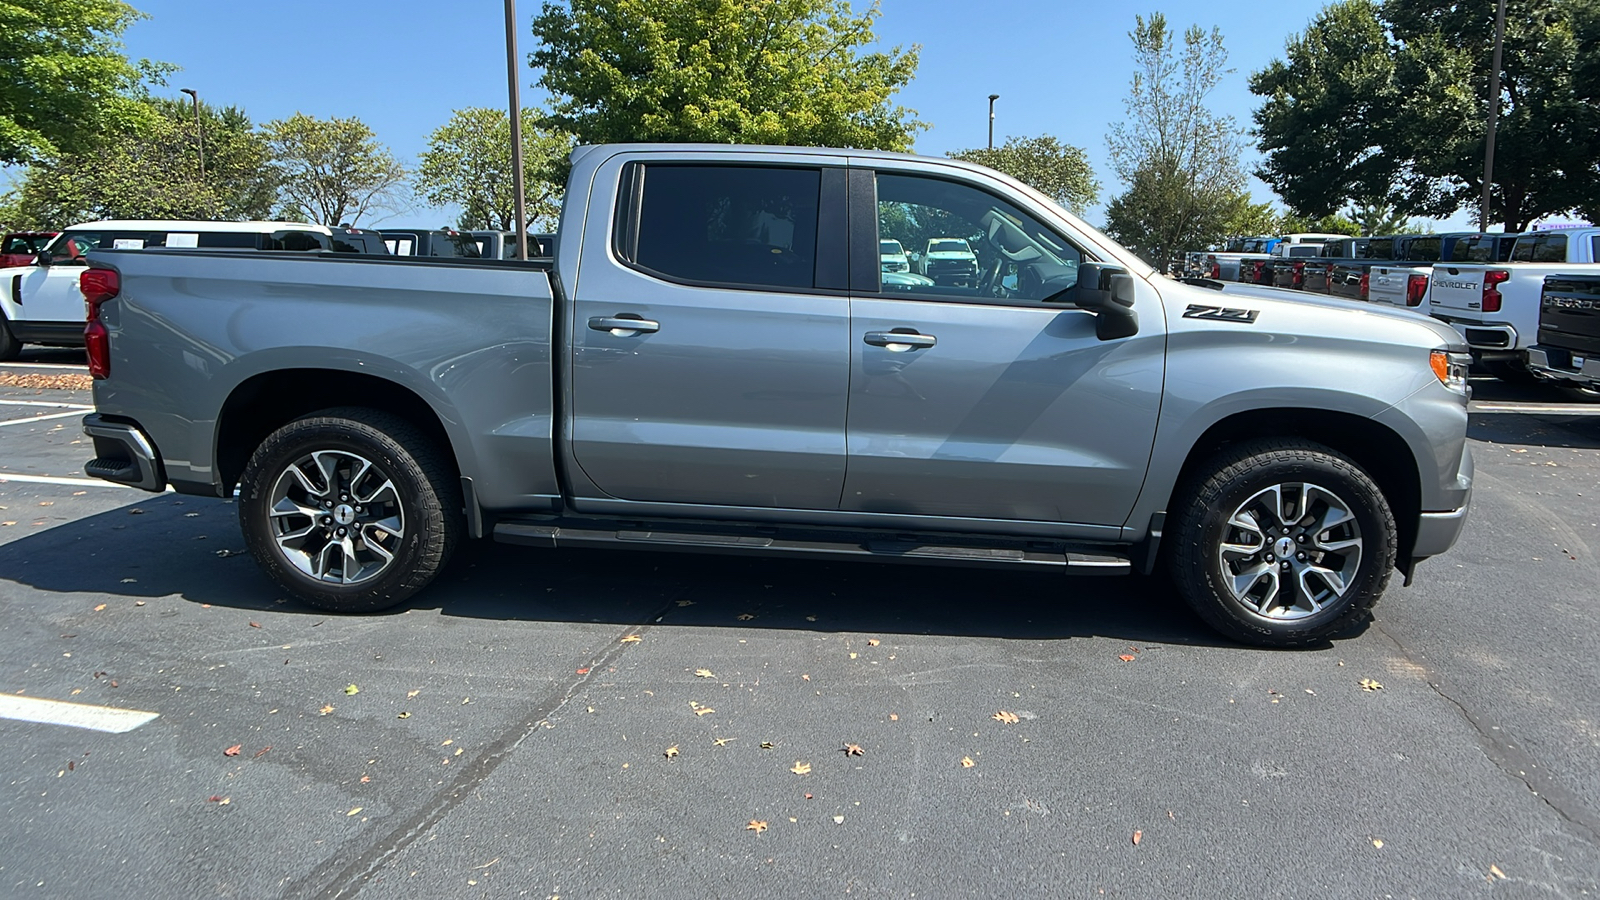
(41, 303)
(1527, 304)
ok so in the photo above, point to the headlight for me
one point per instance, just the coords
(1451, 369)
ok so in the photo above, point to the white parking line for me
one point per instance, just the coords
(55, 479)
(1576, 410)
(46, 403)
(16, 365)
(60, 415)
(74, 715)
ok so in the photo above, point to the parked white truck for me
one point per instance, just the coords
(1495, 306)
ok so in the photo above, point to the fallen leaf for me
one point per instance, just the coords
(893, 717)
(7, 523)
(262, 752)
(583, 671)
(838, 820)
(354, 811)
(852, 656)
(767, 745)
(1367, 684)
(756, 825)
(745, 617)
(1495, 871)
(79, 493)
(1137, 837)
(404, 715)
(854, 750)
(631, 639)
(1126, 657)
(1377, 843)
(255, 624)
(967, 763)
(325, 710)
(805, 677)
(138, 603)
(801, 768)
(808, 796)
(704, 710)
(873, 642)
(233, 751)
(352, 689)
(100, 607)
(671, 751)
(465, 700)
(685, 602)
(410, 694)
(365, 779)
(113, 682)
(1010, 718)
(722, 742)
(704, 673)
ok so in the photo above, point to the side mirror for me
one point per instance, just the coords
(1107, 291)
(42, 259)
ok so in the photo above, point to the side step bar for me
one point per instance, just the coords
(1079, 559)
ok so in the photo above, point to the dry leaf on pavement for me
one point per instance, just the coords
(873, 642)
(1126, 657)
(704, 673)
(100, 607)
(854, 750)
(325, 710)
(767, 745)
(1367, 684)
(1010, 718)
(1495, 871)
(1137, 837)
(671, 751)
(1377, 843)
(722, 742)
(704, 710)
(352, 689)
(354, 811)
(404, 715)
(801, 768)
(967, 763)
(632, 639)
(756, 825)
(233, 751)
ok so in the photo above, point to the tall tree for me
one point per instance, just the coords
(334, 171)
(1384, 103)
(1060, 171)
(468, 164)
(65, 84)
(1178, 158)
(723, 71)
(155, 173)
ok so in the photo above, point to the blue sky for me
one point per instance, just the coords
(402, 66)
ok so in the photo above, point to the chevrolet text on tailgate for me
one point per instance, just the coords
(716, 361)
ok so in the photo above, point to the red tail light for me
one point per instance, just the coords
(1416, 288)
(1256, 273)
(1366, 279)
(1491, 293)
(1216, 267)
(98, 286)
(1300, 274)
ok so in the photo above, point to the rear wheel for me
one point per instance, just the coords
(10, 347)
(351, 510)
(1285, 543)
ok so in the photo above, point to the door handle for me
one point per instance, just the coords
(899, 341)
(624, 325)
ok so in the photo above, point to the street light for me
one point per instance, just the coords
(992, 99)
(199, 134)
(520, 203)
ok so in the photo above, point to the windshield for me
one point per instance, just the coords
(891, 248)
(948, 247)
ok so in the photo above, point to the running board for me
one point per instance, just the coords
(1078, 559)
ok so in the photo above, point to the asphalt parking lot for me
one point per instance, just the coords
(584, 724)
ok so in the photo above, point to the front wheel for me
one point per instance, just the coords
(10, 347)
(1282, 543)
(351, 510)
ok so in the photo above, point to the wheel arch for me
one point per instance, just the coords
(1376, 448)
(265, 402)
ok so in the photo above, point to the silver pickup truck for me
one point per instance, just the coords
(714, 361)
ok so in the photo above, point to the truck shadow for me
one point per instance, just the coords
(191, 547)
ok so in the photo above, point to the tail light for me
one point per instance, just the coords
(1366, 281)
(1491, 292)
(1216, 267)
(1300, 274)
(98, 286)
(1416, 288)
(1256, 273)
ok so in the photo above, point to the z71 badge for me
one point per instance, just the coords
(1201, 311)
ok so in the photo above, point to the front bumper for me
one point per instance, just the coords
(123, 454)
(1438, 531)
(1562, 365)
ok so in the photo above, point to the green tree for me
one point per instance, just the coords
(1059, 171)
(155, 173)
(794, 72)
(1379, 218)
(1178, 158)
(65, 85)
(468, 164)
(334, 171)
(1333, 223)
(1383, 104)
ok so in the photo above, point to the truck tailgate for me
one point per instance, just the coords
(1457, 289)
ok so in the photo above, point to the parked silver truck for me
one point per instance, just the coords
(714, 361)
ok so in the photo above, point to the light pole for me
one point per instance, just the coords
(520, 204)
(992, 99)
(1494, 114)
(199, 134)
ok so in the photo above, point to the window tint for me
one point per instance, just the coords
(743, 225)
(1594, 248)
(1540, 248)
(229, 240)
(1379, 248)
(966, 243)
(1425, 249)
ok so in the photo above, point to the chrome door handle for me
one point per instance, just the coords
(624, 325)
(899, 341)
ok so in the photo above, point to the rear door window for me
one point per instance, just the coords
(1545, 248)
(749, 226)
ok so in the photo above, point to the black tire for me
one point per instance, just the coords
(10, 347)
(422, 491)
(1514, 373)
(1236, 476)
